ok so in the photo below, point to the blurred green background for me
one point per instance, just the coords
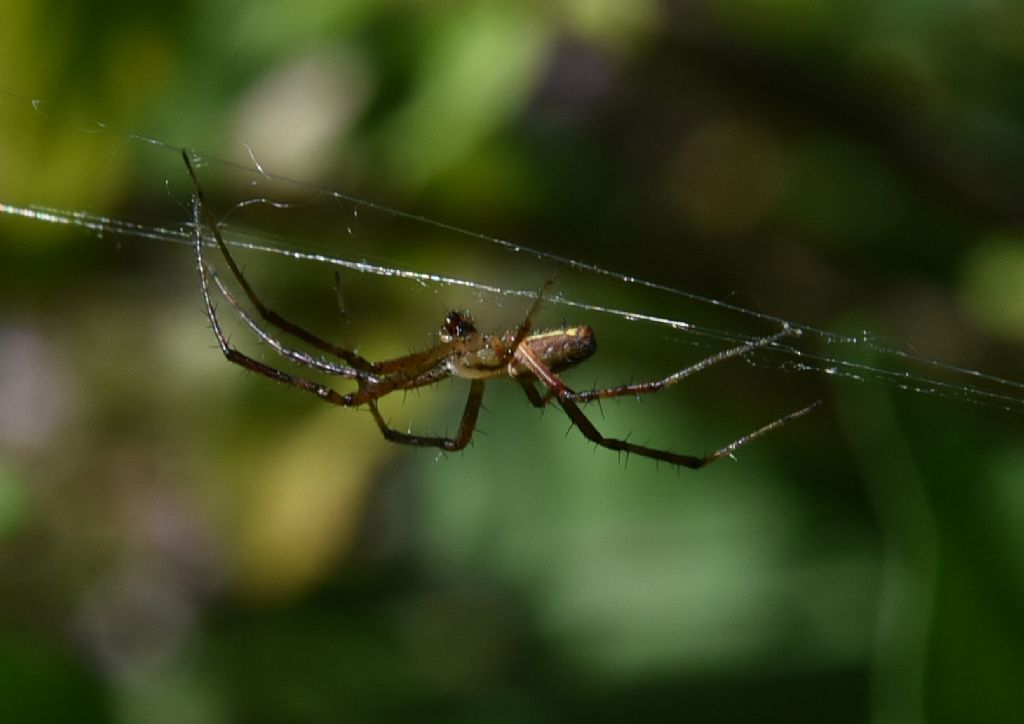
(180, 542)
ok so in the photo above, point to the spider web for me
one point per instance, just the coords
(859, 357)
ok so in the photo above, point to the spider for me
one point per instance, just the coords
(527, 357)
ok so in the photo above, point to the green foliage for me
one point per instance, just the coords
(181, 542)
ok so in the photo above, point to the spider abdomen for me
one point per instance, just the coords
(560, 349)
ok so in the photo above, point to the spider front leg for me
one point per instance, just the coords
(269, 315)
(322, 392)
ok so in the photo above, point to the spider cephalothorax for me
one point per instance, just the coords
(529, 358)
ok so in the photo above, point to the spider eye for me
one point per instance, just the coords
(457, 324)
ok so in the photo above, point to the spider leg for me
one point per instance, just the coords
(523, 330)
(736, 444)
(410, 372)
(532, 395)
(415, 373)
(452, 444)
(322, 392)
(567, 399)
(293, 355)
(642, 388)
(269, 315)
(536, 399)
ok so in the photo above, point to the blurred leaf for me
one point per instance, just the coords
(992, 280)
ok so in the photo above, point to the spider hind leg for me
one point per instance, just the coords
(568, 401)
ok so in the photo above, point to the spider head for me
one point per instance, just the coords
(457, 325)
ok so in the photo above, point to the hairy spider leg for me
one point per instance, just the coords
(408, 368)
(233, 355)
(268, 314)
(642, 388)
(535, 398)
(415, 370)
(566, 398)
(290, 353)
(524, 329)
(736, 444)
(401, 371)
(411, 371)
(450, 444)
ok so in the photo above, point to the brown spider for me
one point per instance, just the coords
(525, 356)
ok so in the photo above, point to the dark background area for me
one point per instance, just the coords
(181, 542)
